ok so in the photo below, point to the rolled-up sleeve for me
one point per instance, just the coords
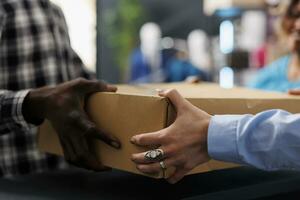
(269, 140)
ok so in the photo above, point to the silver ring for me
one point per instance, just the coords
(154, 155)
(163, 168)
(162, 165)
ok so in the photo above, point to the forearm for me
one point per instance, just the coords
(269, 140)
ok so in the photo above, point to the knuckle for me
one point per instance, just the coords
(101, 83)
(170, 92)
(169, 151)
(162, 137)
(74, 120)
(184, 158)
(79, 84)
(80, 81)
(52, 98)
(188, 166)
(135, 158)
(181, 160)
(156, 169)
(74, 116)
(153, 169)
(168, 138)
(177, 162)
(140, 140)
(58, 101)
(174, 92)
(147, 168)
(92, 129)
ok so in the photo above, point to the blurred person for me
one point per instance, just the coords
(269, 140)
(254, 39)
(148, 61)
(191, 65)
(275, 44)
(179, 68)
(198, 48)
(284, 73)
(39, 80)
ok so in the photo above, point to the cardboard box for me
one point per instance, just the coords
(211, 6)
(138, 109)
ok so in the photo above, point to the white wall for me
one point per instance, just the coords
(81, 19)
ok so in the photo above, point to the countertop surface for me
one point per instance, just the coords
(239, 183)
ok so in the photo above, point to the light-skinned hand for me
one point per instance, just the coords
(184, 142)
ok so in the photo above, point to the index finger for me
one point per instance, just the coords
(88, 128)
(148, 139)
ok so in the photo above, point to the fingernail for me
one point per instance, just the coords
(160, 91)
(133, 140)
(116, 144)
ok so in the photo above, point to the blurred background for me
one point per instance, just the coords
(144, 41)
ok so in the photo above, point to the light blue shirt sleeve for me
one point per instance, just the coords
(269, 140)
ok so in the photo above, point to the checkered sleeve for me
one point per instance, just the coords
(11, 108)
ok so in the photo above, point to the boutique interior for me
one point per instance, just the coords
(225, 42)
(229, 57)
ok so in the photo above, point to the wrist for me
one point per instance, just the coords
(33, 107)
(206, 126)
(205, 131)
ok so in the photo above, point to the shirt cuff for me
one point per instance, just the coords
(11, 107)
(19, 118)
(222, 138)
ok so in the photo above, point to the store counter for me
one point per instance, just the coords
(240, 183)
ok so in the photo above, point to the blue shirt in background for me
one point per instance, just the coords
(171, 69)
(178, 70)
(274, 77)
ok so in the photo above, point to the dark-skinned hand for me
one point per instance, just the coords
(63, 106)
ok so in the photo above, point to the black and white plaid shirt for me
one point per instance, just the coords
(34, 51)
